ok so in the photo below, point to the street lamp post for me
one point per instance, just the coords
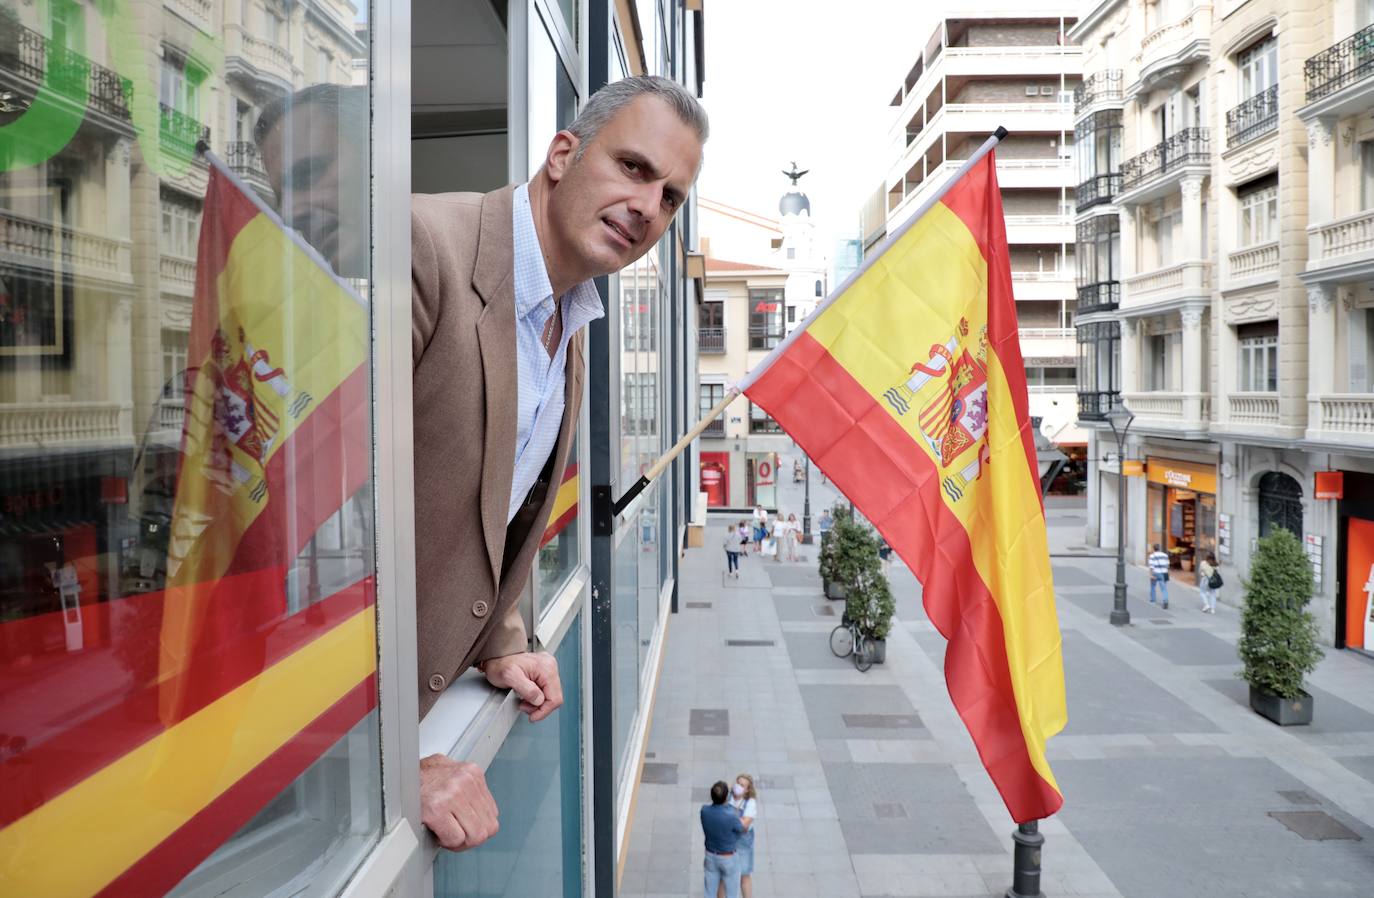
(1119, 419)
(806, 505)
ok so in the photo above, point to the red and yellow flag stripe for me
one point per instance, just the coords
(934, 320)
(564, 506)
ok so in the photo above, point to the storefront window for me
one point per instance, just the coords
(536, 780)
(187, 638)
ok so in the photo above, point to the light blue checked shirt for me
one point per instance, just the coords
(541, 380)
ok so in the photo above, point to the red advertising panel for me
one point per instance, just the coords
(1359, 584)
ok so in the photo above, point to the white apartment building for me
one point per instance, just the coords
(978, 70)
(763, 277)
(1225, 245)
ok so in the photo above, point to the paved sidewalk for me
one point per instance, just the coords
(869, 784)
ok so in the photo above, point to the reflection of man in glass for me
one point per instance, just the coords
(502, 287)
(320, 180)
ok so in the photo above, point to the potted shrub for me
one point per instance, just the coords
(848, 547)
(1278, 635)
(871, 591)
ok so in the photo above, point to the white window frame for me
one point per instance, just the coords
(1258, 68)
(1259, 216)
(1259, 364)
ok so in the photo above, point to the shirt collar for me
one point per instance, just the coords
(532, 287)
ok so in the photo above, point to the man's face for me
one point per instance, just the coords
(612, 204)
(320, 181)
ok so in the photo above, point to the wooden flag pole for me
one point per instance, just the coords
(623, 502)
(667, 458)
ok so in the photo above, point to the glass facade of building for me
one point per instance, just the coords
(206, 504)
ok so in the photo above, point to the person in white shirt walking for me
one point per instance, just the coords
(1159, 575)
(1208, 582)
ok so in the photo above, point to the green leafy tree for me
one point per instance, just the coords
(1278, 639)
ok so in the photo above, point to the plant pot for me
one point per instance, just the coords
(1283, 711)
(834, 590)
(876, 649)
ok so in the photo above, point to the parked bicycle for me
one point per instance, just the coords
(848, 641)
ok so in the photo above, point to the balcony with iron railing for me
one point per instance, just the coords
(711, 340)
(1254, 118)
(1340, 65)
(1104, 296)
(30, 62)
(180, 132)
(716, 429)
(1099, 87)
(1190, 146)
(1097, 190)
(1094, 406)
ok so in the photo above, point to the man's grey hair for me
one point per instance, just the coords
(609, 100)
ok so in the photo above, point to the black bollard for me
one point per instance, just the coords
(1025, 874)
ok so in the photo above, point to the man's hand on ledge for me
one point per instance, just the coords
(533, 676)
(455, 802)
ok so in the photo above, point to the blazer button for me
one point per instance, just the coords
(479, 609)
(437, 683)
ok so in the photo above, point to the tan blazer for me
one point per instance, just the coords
(469, 566)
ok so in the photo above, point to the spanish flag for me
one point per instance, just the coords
(908, 389)
(242, 690)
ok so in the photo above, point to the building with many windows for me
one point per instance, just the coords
(252, 724)
(1219, 206)
(980, 69)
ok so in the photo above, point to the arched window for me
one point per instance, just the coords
(1280, 504)
(820, 291)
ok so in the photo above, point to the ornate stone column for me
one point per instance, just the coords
(1192, 225)
(1192, 364)
(1321, 350)
(1321, 180)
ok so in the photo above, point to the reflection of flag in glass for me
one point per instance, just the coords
(909, 391)
(245, 696)
(564, 506)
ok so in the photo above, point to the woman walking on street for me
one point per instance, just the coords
(793, 537)
(1208, 582)
(744, 799)
(732, 548)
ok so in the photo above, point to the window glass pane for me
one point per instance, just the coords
(559, 552)
(625, 638)
(167, 561)
(649, 581)
(536, 779)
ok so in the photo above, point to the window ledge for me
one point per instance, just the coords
(470, 720)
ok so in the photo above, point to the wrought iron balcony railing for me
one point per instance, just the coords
(1095, 406)
(38, 60)
(244, 158)
(1255, 117)
(1191, 146)
(180, 132)
(715, 429)
(1340, 65)
(1101, 297)
(1098, 87)
(1097, 190)
(711, 340)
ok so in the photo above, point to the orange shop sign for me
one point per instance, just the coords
(1182, 474)
(1330, 485)
(1133, 468)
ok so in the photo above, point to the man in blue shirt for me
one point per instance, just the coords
(722, 827)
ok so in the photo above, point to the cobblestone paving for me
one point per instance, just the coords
(870, 787)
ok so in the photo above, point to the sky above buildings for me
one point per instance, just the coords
(805, 80)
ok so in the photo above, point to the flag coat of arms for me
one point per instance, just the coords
(908, 389)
